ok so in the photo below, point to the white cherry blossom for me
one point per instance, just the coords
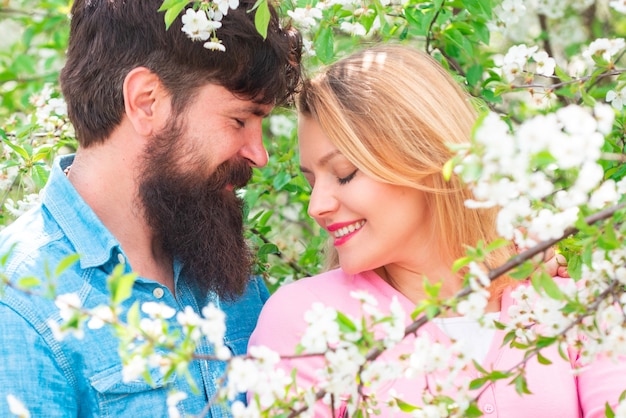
(619, 6)
(544, 63)
(617, 99)
(355, 29)
(17, 407)
(306, 17)
(196, 25)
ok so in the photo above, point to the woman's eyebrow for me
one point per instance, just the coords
(323, 161)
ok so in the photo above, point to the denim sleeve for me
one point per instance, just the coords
(242, 315)
(29, 372)
(264, 293)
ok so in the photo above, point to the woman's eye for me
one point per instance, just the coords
(346, 179)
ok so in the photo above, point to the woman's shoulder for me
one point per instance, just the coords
(331, 288)
(282, 320)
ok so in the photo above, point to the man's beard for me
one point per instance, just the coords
(195, 219)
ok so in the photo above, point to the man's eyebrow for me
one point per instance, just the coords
(257, 110)
(324, 160)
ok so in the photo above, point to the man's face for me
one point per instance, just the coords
(187, 187)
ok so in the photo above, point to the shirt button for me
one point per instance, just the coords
(158, 292)
(120, 258)
(489, 408)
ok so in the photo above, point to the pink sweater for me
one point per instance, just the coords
(556, 391)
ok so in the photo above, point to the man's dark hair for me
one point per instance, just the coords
(108, 38)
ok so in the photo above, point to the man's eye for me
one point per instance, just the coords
(240, 123)
(346, 179)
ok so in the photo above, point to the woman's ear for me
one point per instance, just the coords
(146, 102)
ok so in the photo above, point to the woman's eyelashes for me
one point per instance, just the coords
(346, 179)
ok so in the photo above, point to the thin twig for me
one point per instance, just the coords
(293, 264)
(566, 83)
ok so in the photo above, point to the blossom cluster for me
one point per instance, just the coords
(600, 331)
(519, 20)
(521, 65)
(510, 13)
(201, 24)
(517, 58)
(550, 158)
(49, 129)
(347, 375)
(354, 17)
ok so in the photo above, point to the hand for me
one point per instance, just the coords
(556, 265)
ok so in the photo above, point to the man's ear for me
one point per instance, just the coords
(146, 102)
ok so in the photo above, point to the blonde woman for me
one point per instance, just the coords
(374, 134)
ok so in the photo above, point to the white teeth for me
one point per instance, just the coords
(347, 229)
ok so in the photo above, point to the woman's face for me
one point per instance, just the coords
(374, 224)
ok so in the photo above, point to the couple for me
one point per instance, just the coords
(167, 131)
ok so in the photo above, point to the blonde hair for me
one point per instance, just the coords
(393, 111)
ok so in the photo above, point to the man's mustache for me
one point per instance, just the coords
(235, 173)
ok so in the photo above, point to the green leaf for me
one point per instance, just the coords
(498, 243)
(474, 74)
(29, 34)
(24, 63)
(463, 27)
(587, 253)
(478, 383)
(40, 175)
(480, 8)
(268, 249)
(563, 76)
(65, 263)
(420, 17)
(432, 311)
(283, 178)
(588, 100)
(168, 4)
(345, 323)
(28, 282)
(542, 359)
(473, 411)
(404, 406)
(121, 285)
(460, 263)
(262, 17)
(448, 168)
(608, 411)
(523, 271)
(432, 290)
(543, 342)
(481, 31)
(22, 152)
(251, 196)
(479, 367)
(609, 240)
(510, 336)
(521, 386)
(43, 152)
(173, 11)
(549, 285)
(133, 317)
(324, 44)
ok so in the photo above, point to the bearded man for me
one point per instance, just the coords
(168, 130)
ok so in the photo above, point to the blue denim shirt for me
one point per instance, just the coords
(83, 378)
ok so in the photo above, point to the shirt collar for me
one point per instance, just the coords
(91, 239)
